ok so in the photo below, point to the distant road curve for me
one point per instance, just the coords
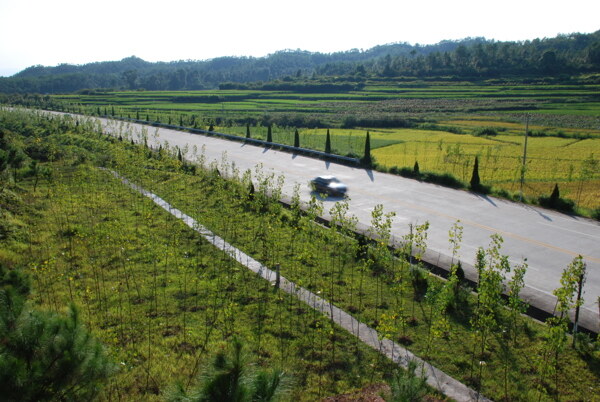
(548, 240)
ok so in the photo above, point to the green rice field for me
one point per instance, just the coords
(442, 126)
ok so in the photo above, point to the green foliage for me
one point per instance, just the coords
(556, 337)
(407, 386)
(555, 194)
(164, 300)
(444, 179)
(328, 143)
(230, 378)
(416, 170)
(548, 58)
(367, 158)
(418, 278)
(486, 131)
(554, 201)
(475, 180)
(45, 356)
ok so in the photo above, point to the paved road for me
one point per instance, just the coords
(548, 240)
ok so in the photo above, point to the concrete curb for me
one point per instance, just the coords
(540, 304)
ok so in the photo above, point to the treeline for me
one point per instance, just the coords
(567, 54)
(473, 58)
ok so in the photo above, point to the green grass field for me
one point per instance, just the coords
(563, 120)
(164, 300)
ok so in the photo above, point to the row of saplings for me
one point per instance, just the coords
(47, 356)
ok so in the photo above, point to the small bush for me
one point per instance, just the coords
(503, 193)
(443, 179)
(486, 131)
(407, 385)
(482, 189)
(407, 172)
(560, 204)
(419, 281)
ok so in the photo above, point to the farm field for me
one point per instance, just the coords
(550, 160)
(572, 163)
(443, 126)
(163, 300)
(379, 99)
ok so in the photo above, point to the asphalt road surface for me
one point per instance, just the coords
(548, 240)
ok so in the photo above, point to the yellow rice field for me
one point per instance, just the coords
(572, 163)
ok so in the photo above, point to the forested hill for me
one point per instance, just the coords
(472, 58)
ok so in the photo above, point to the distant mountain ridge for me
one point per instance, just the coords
(470, 57)
(308, 59)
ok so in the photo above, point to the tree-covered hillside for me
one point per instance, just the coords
(472, 58)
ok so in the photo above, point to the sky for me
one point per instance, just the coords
(52, 32)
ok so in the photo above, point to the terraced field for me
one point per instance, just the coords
(441, 125)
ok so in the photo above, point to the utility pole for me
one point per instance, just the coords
(524, 157)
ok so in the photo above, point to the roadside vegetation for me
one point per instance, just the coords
(443, 127)
(477, 95)
(164, 302)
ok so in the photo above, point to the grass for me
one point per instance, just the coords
(557, 113)
(162, 299)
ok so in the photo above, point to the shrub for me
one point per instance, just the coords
(486, 131)
(475, 180)
(45, 356)
(418, 277)
(554, 201)
(444, 179)
(406, 385)
(230, 378)
(560, 204)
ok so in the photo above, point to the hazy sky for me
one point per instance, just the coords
(51, 32)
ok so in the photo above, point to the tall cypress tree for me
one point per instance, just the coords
(269, 134)
(555, 196)
(328, 143)
(296, 139)
(475, 181)
(367, 160)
